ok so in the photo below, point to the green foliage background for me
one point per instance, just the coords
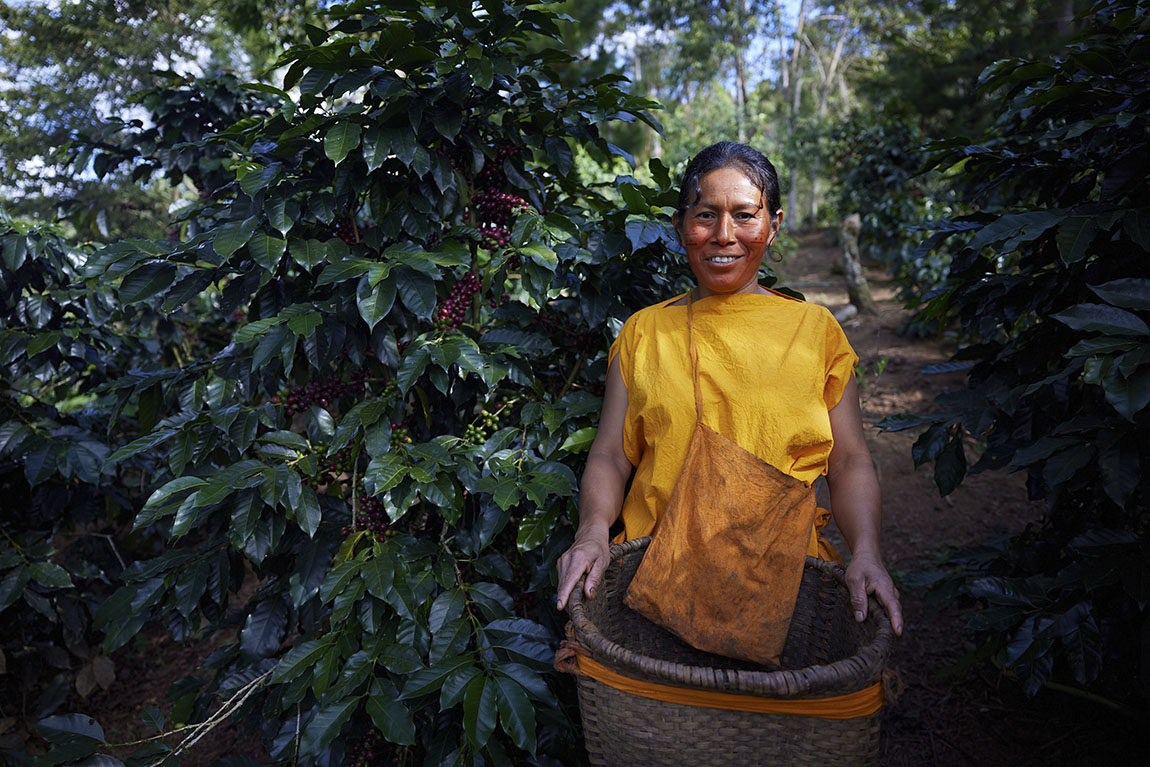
(1050, 288)
(402, 519)
(355, 365)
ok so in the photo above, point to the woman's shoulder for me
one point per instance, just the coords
(653, 312)
(797, 304)
(646, 322)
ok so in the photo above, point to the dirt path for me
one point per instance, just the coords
(974, 717)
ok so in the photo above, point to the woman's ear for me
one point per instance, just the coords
(676, 224)
(776, 224)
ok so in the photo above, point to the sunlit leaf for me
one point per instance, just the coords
(340, 139)
(267, 250)
(147, 281)
(233, 235)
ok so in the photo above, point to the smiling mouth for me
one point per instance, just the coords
(723, 259)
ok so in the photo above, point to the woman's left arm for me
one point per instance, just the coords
(857, 506)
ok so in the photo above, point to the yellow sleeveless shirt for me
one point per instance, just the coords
(771, 368)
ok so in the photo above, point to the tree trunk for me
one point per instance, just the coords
(832, 71)
(743, 118)
(793, 201)
(741, 115)
(857, 287)
(784, 70)
(796, 94)
(813, 203)
(1065, 24)
(644, 82)
(795, 101)
(830, 76)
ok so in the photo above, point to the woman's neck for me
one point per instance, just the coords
(696, 293)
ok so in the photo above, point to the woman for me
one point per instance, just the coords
(776, 376)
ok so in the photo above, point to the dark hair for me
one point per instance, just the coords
(728, 154)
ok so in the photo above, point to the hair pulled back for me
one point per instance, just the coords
(728, 154)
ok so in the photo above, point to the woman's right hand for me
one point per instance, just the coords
(600, 496)
(590, 555)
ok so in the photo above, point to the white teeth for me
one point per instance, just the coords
(722, 259)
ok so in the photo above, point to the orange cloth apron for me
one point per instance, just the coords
(723, 569)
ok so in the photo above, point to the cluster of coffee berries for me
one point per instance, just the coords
(505, 150)
(524, 602)
(456, 155)
(400, 435)
(494, 237)
(322, 393)
(372, 751)
(498, 207)
(453, 310)
(492, 173)
(571, 335)
(481, 428)
(190, 334)
(371, 517)
(345, 230)
(335, 466)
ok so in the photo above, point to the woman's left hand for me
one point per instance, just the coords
(866, 575)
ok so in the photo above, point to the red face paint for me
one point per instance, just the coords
(726, 233)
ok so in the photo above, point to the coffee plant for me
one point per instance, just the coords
(879, 171)
(60, 531)
(1049, 285)
(341, 409)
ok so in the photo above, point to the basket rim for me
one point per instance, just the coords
(858, 671)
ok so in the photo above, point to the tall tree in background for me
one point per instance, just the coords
(781, 76)
(787, 76)
(823, 46)
(714, 66)
(66, 68)
(714, 39)
(928, 55)
(916, 80)
(699, 59)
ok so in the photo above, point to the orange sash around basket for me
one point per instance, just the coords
(850, 706)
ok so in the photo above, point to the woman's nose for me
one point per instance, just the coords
(724, 229)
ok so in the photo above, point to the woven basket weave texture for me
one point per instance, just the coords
(827, 653)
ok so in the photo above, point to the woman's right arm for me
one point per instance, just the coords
(600, 494)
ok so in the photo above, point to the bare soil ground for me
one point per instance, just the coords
(145, 672)
(970, 718)
(957, 719)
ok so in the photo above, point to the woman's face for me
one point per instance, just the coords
(727, 232)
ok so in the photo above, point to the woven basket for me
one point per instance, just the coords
(827, 653)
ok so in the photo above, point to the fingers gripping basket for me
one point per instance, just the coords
(821, 708)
